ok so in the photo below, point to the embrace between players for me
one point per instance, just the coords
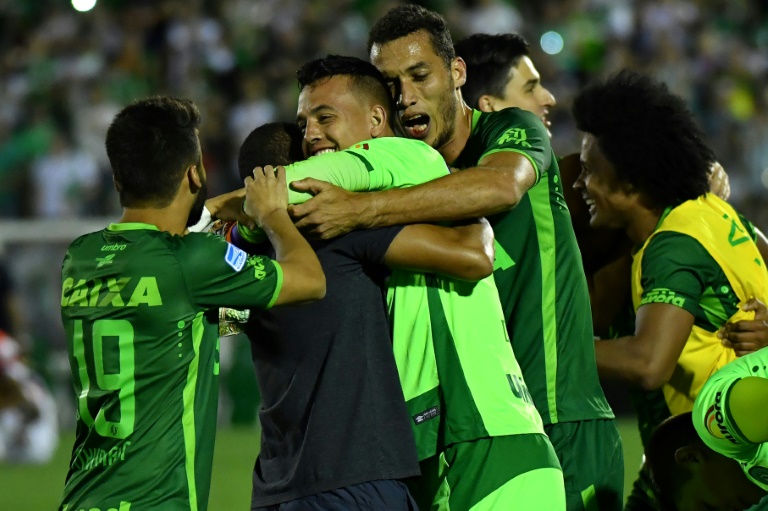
(447, 362)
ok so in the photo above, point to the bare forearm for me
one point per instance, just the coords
(467, 194)
(287, 241)
(620, 359)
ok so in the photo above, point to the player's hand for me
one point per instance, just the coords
(229, 207)
(747, 336)
(718, 181)
(265, 193)
(330, 213)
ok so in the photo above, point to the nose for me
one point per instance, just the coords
(406, 96)
(579, 183)
(547, 99)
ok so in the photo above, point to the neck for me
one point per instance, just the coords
(169, 219)
(641, 225)
(463, 128)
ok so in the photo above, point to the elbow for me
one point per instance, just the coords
(653, 376)
(318, 289)
(507, 197)
(476, 267)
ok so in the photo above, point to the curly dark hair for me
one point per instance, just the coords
(649, 135)
(489, 59)
(150, 144)
(366, 80)
(274, 143)
(406, 19)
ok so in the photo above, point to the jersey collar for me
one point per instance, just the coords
(131, 226)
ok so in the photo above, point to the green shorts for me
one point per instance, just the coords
(592, 458)
(506, 472)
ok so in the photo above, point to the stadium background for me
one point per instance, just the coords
(64, 74)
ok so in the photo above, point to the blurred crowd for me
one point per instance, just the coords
(64, 74)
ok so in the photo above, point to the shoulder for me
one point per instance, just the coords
(675, 246)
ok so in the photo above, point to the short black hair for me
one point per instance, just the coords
(274, 143)
(404, 20)
(489, 59)
(365, 79)
(666, 475)
(150, 144)
(649, 135)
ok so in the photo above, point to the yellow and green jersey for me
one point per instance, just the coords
(539, 274)
(140, 312)
(713, 419)
(701, 257)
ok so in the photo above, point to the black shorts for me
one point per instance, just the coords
(384, 495)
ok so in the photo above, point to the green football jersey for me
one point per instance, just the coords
(539, 274)
(139, 308)
(714, 422)
(460, 378)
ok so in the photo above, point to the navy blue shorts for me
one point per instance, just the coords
(384, 495)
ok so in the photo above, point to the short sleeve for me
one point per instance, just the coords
(369, 245)
(218, 274)
(713, 420)
(675, 268)
(520, 131)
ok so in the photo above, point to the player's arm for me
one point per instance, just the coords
(648, 358)
(675, 269)
(464, 251)
(496, 184)
(266, 202)
(748, 407)
(516, 149)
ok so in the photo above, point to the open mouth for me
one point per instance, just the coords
(591, 203)
(417, 126)
(324, 151)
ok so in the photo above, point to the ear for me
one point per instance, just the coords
(378, 118)
(459, 71)
(485, 103)
(195, 180)
(118, 186)
(689, 456)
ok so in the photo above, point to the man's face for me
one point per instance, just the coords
(423, 87)
(600, 188)
(331, 117)
(524, 90)
(719, 483)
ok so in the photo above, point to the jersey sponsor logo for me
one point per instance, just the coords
(88, 459)
(519, 388)
(112, 248)
(124, 506)
(104, 261)
(426, 415)
(111, 292)
(259, 270)
(663, 295)
(235, 257)
(516, 135)
(714, 420)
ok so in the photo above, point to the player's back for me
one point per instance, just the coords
(144, 357)
(458, 371)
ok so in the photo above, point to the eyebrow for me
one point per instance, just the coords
(416, 66)
(532, 81)
(317, 110)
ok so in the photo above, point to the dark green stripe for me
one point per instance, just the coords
(463, 412)
(365, 161)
